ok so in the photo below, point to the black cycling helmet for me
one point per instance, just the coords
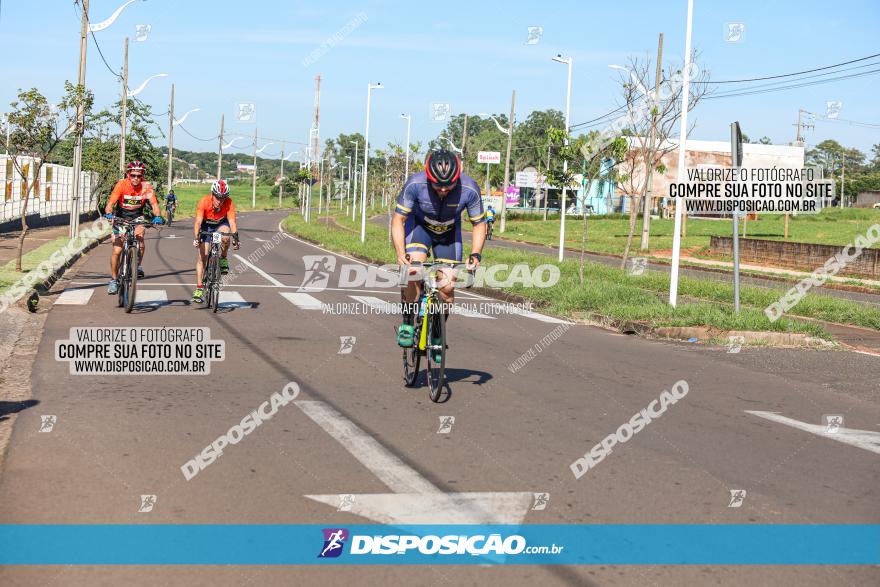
(442, 167)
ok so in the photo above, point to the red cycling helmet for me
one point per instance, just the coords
(442, 167)
(220, 190)
(137, 167)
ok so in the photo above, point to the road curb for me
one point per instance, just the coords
(681, 333)
(46, 284)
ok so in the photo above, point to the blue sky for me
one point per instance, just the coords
(470, 54)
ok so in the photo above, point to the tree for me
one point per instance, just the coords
(36, 129)
(652, 117)
(592, 163)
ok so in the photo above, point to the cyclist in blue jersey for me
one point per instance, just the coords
(428, 219)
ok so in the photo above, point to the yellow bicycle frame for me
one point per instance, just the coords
(423, 335)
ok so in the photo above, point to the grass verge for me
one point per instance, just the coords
(614, 293)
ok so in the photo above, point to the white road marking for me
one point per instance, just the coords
(265, 275)
(390, 470)
(171, 236)
(395, 291)
(515, 310)
(151, 297)
(373, 302)
(465, 311)
(233, 299)
(864, 439)
(415, 499)
(75, 297)
(302, 300)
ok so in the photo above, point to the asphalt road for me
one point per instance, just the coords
(355, 429)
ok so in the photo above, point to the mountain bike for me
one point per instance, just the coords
(213, 276)
(489, 231)
(429, 337)
(170, 210)
(129, 260)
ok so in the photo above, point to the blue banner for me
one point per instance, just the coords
(561, 544)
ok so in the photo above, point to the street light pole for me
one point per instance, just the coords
(254, 183)
(567, 61)
(124, 107)
(406, 147)
(507, 162)
(80, 123)
(171, 139)
(220, 147)
(682, 144)
(355, 197)
(370, 88)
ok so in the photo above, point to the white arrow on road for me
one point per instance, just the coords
(865, 439)
(414, 499)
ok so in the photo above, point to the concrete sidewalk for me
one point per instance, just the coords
(36, 237)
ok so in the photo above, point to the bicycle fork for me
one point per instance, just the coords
(423, 334)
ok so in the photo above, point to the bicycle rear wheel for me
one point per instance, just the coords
(120, 279)
(131, 279)
(435, 352)
(411, 358)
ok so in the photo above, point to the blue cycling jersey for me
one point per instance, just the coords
(440, 215)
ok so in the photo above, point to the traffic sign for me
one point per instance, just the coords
(489, 157)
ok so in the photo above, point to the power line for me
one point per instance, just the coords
(755, 79)
(95, 39)
(747, 92)
(211, 140)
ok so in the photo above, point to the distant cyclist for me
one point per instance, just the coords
(128, 200)
(170, 203)
(490, 220)
(428, 219)
(214, 213)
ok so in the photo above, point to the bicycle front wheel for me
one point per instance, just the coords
(131, 279)
(121, 273)
(212, 283)
(435, 349)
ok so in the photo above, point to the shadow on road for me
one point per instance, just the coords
(7, 408)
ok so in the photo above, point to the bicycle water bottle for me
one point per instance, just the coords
(422, 305)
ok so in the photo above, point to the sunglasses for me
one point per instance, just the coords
(137, 175)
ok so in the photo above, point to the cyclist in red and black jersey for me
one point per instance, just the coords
(129, 198)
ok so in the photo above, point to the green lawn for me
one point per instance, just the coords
(608, 235)
(612, 292)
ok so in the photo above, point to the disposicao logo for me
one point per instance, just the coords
(334, 541)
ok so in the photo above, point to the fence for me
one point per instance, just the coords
(51, 194)
(806, 256)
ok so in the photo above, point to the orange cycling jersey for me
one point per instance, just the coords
(214, 216)
(129, 201)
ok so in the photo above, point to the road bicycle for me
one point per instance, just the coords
(129, 260)
(429, 337)
(170, 210)
(213, 276)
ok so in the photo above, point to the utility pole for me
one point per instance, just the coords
(123, 122)
(545, 187)
(842, 176)
(354, 201)
(464, 136)
(802, 125)
(254, 183)
(649, 160)
(220, 148)
(80, 123)
(171, 139)
(281, 185)
(507, 162)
